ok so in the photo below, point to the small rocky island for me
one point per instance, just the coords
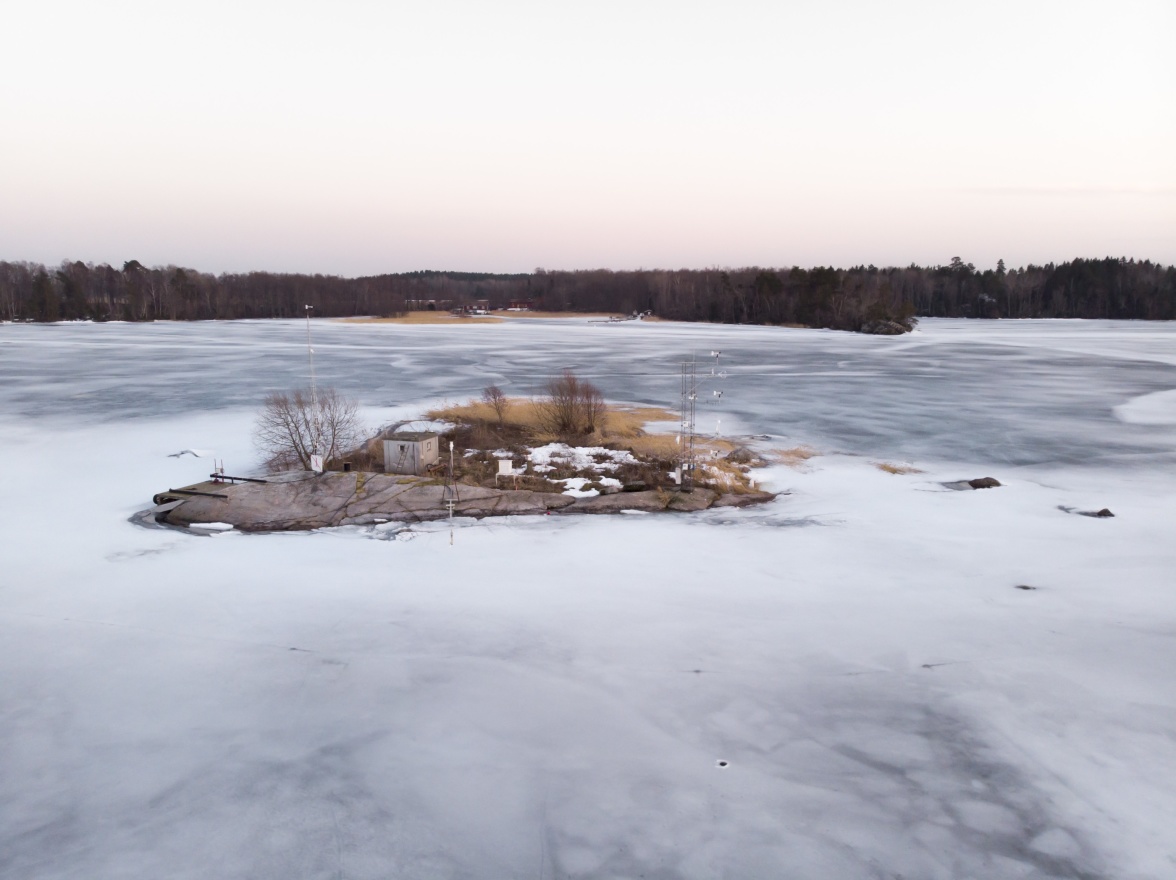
(567, 453)
(312, 501)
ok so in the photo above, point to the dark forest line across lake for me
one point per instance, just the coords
(845, 299)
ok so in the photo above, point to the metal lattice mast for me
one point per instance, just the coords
(683, 425)
(689, 408)
(310, 357)
(689, 405)
(313, 388)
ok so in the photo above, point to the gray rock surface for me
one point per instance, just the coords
(649, 501)
(1105, 513)
(686, 502)
(984, 483)
(335, 499)
(978, 483)
(746, 499)
(344, 499)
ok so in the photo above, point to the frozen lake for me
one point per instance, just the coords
(552, 696)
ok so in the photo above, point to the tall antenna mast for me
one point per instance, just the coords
(689, 409)
(310, 357)
(314, 440)
(689, 402)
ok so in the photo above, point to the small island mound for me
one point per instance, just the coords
(565, 452)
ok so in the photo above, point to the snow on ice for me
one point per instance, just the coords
(552, 696)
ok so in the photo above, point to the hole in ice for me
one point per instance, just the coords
(1025, 587)
(721, 764)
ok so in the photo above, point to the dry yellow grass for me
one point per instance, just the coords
(794, 457)
(667, 446)
(521, 412)
(726, 477)
(718, 444)
(896, 468)
(624, 423)
(427, 318)
(625, 427)
(663, 446)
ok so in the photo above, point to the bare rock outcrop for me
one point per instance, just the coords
(353, 499)
(648, 501)
(978, 483)
(309, 501)
(743, 499)
(1105, 513)
(984, 483)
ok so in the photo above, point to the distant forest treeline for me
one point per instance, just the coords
(843, 299)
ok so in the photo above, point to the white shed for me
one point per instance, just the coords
(411, 452)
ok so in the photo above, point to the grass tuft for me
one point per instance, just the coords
(796, 456)
(725, 476)
(896, 468)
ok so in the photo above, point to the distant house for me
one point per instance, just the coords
(427, 305)
(521, 305)
(411, 452)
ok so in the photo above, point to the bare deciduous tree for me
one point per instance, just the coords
(571, 406)
(290, 428)
(493, 396)
(592, 407)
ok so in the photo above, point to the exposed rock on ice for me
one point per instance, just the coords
(978, 483)
(333, 500)
(338, 499)
(1105, 513)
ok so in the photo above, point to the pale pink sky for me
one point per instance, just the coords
(357, 138)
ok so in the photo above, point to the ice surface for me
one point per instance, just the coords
(549, 696)
(197, 453)
(1157, 408)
